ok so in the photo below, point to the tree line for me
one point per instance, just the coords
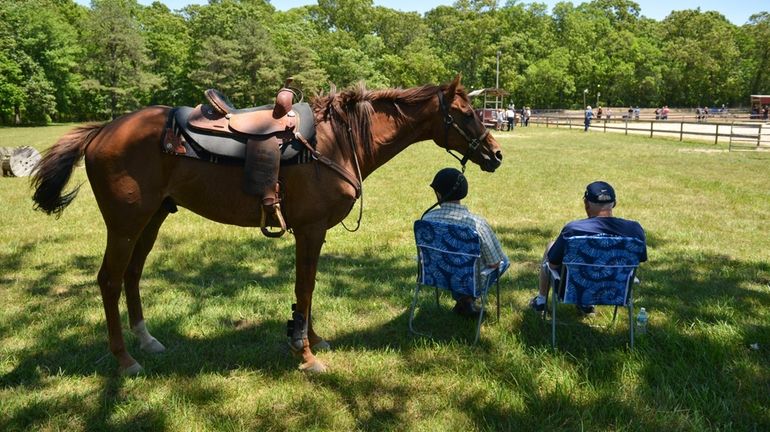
(60, 61)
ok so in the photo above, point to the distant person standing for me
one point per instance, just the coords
(589, 114)
(599, 113)
(527, 115)
(499, 114)
(511, 116)
(664, 113)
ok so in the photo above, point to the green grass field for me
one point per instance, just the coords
(218, 297)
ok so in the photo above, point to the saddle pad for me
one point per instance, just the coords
(234, 145)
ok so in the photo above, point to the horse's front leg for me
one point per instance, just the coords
(317, 343)
(309, 242)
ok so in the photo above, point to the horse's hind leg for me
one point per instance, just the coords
(132, 276)
(116, 257)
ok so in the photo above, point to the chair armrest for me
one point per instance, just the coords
(501, 267)
(488, 271)
(553, 274)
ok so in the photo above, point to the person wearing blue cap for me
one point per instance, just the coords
(451, 186)
(599, 201)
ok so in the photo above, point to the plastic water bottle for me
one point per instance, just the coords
(641, 321)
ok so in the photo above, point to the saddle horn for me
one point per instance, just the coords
(283, 100)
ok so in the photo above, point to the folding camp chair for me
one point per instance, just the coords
(449, 258)
(597, 270)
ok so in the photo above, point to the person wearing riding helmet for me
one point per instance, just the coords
(451, 186)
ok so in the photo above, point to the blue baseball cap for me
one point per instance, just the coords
(599, 192)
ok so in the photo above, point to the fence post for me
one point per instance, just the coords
(569, 121)
(681, 130)
(759, 134)
(716, 135)
(605, 126)
(626, 126)
(652, 125)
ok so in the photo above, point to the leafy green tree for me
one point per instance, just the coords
(294, 29)
(700, 54)
(461, 34)
(350, 16)
(119, 68)
(233, 50)
(757, 53)
(167, 40)
(43, 45)
(11, 77)
(548, 80)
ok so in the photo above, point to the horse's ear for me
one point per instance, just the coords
(451, 90)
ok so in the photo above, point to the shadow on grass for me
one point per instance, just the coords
(685, 288)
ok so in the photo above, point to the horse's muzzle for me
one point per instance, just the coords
(491, 163)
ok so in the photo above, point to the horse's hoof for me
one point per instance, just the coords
(133, 370)
(321, 345)
(152, 347)
(314, 367)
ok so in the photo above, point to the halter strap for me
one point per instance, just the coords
(449, 121)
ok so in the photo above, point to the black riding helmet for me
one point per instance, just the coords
(450, 184)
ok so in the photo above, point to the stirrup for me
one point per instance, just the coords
(263, 223)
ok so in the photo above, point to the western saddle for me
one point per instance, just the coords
(265, 131)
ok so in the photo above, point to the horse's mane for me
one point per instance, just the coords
(351, 110)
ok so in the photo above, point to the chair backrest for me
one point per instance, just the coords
(447, 255)
(599, 270)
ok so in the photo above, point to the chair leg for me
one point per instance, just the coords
(615, 315)
(411, 312)
(553, 319)
(631, 322)
(481, 317)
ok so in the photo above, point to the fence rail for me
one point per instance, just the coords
(737, 134)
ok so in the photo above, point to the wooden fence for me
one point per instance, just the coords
(737, 134)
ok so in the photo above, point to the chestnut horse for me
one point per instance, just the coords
(137, 185)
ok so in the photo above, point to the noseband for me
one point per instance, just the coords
(449, 121)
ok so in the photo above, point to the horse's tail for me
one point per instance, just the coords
(55, 168)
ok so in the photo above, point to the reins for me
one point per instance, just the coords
(355, 180)
(360, 192)
(473, 146)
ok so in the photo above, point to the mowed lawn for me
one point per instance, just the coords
(219, 296)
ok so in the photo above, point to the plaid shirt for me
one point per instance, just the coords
(454, 213)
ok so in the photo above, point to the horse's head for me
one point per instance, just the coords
(463, 131)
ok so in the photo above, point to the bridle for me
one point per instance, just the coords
(449, 122)
(473, 147)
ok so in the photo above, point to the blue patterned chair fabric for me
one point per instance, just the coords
(448, 256)
(598, 270)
